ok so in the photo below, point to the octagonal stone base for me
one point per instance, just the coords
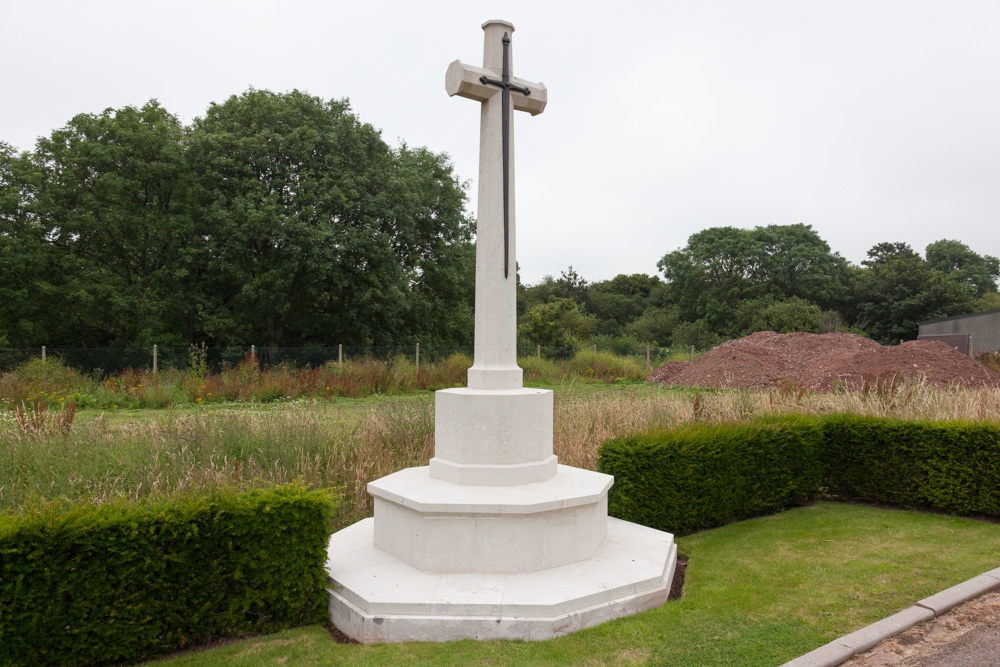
(375, 597)
(437, 526)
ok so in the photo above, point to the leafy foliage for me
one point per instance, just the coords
(276, 218)
(896, 289)
(558, 323)
(957, 260)
(723, 266)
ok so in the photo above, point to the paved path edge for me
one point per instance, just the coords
(841, 650)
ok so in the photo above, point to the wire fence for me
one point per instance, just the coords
(105, 361)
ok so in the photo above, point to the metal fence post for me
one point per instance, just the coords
(253, 352)
(692, 354)
(418, 357)
(647, 358)
(539, 351)
(154, 359)
(340, 354)
(43, 353)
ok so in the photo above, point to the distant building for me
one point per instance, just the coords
(982, 329)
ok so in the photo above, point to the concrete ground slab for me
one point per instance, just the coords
(379, 599)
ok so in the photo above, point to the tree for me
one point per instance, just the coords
(314, 221)
(723, 266)
(896, 290)
(558, 323)
(25, 264)
(797, 263)
(620, 301)
(988, 301)
(655, 326)
(108, 200)
(769, 314)
(958, 260)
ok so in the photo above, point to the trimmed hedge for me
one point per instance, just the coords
(704, 475)
(94, 584)
(952, 465)
(699, 476)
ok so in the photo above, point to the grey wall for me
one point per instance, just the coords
(983, 327)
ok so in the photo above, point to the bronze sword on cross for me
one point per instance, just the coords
(481, 84)
(506, 86)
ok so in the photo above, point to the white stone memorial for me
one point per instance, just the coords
(494, 539)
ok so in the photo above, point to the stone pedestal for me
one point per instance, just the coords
(493, 539)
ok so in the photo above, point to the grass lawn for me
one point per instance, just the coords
(759, 592)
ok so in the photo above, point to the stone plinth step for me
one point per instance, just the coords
(375, 597)
(415, 489)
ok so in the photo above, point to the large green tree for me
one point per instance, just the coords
(316, 225)
(895, 289)
(722, 267)
(958, 260)
(106, 201)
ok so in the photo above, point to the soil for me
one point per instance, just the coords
(966, 635)
(677, 583)
(824, 362)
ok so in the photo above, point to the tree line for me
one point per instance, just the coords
(284, 220)
(280, 219)
(729, 282)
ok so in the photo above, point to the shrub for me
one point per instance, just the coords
(703, 475)
(991, 360)
(91, 584)
(540, 368)
(606, 366)
(699, 476)
(51, 375)
(952, 465)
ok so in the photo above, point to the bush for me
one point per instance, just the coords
(92, 584)
(606, 366)
(704, 475)
(699, 476)
(46, 381)
(951, 465)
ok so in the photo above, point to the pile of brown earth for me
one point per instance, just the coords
(822, 362)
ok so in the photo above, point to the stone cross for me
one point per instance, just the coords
(501, 93)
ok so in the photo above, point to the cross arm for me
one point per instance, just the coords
(463, 80)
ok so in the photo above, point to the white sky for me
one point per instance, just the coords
(870, 120)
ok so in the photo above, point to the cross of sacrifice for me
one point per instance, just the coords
(501, 93)
(481, 84)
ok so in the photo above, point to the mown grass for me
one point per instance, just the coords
(759, 592)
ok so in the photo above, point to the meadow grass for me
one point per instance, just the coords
(758, 592)
(347, 443)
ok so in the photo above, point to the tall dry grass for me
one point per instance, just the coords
(323, 445)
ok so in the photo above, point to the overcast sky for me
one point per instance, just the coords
(871, 121)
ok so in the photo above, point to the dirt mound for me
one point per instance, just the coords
(822, 362)
(667, 371)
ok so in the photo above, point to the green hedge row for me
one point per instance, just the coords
(697, 476)
(89, 584)
(951, 465)
(705, 475)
